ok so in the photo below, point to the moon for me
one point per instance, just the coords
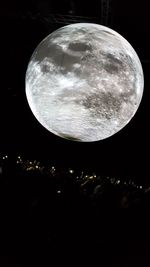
(84, 82)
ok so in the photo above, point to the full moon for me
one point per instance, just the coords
(84, 82)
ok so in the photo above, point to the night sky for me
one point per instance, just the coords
(23, 25)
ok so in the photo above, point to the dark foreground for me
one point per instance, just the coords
(53, 216)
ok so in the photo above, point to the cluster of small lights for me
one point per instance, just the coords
(5, 157)
(28, 165)
(19, 160)
(81, 177)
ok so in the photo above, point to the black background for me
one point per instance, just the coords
(23, 25)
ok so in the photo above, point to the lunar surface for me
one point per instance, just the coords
(84, 82)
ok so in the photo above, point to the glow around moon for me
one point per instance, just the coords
(84, 82)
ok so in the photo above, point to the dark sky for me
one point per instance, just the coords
(23, 25)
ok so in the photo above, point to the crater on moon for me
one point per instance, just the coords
(84, 82)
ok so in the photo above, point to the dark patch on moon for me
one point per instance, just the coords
(109, 33)
(111, 68)
(45, 68)
(113, 59)
(70, 137)
(113, 65)
(79, 47)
